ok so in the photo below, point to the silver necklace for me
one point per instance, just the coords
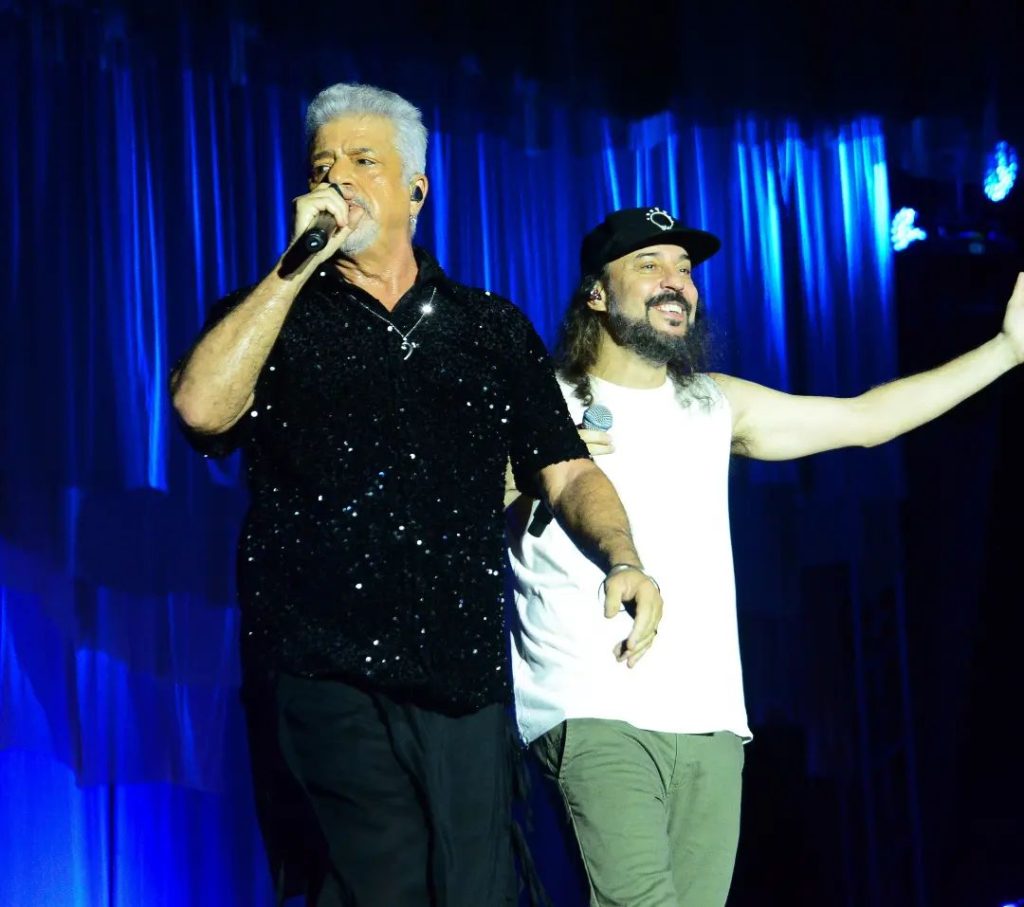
(408, 346)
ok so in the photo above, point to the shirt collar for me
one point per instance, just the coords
(428, 273)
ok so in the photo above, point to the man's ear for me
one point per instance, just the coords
(418, 189)
(597, 298)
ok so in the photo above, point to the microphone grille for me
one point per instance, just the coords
(597, 417)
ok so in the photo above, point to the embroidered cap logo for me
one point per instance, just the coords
(661, 219)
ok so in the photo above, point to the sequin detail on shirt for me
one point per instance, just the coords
(374, 545)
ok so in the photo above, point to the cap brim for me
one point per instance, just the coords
(699, 244)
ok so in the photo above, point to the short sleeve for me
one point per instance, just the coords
(542, 429)
(226, 442)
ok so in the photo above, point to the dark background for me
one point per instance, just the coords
(934, 804)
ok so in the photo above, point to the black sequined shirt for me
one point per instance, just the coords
(373, 549)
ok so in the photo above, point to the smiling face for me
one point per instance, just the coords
(651, 301)
(357, 153)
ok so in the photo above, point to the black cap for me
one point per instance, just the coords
(625, 231)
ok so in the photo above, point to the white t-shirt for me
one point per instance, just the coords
(670, 468)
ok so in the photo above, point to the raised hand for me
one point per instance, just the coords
(1013, 320)
(326, 198)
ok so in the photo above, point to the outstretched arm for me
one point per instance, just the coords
(589, 509)
(771, 425)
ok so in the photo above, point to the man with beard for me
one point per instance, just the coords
(649, 762)
(371, 561)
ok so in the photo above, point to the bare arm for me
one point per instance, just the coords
(598, 442)
(771, 425)
(589, 509)
(214, 386)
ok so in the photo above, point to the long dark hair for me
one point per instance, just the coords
(579, 340)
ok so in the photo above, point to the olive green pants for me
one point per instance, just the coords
(656, 815)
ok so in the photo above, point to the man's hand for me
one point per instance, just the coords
(330, 199)
(1013, 321)
(598, 442)
(634, 590)
(215, 387)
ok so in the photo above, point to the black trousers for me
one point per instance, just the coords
(414, 805)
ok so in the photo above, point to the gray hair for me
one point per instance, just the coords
(344, 99)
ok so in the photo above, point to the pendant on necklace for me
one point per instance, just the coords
(408, 346)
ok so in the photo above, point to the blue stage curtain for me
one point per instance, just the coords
(137, 191)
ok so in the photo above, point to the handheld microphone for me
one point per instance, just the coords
(316, 237)
(597, 418)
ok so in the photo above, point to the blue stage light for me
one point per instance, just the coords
(903, 231)
(1001, 171)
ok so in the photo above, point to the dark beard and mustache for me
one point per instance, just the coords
(688, 353)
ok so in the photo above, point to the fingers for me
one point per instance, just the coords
(642, 634)
(326, 198)
(623, 652)
(645, 624)
(598, 442)
(1018, 289)
(636, 588)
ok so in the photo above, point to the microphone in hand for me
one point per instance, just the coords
(317, 236)
(324, 227)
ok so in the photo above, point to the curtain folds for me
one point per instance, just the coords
(137, 191)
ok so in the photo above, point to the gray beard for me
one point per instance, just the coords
(362, 237)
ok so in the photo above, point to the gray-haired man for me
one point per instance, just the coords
(377, 403)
